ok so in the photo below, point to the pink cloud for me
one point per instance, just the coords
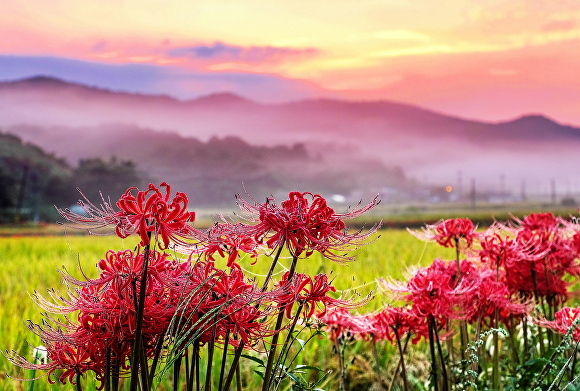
(560, 25)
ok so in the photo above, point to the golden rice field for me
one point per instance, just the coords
(32, 263)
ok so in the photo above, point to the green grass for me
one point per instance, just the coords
(31, 263)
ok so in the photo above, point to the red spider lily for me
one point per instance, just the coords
(308, 292)
(340, 321)
(305, 224)
(106, 309)
(450, 233)
(546, 223)
(394, 322)
(535, 261)
(147, 211)
(490, 295)
(245, 320)
(151, 211)
(564, 320)
(434, 291)
(499, 250)
(226, 239)
(72, 360)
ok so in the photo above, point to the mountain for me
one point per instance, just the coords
(70, 119)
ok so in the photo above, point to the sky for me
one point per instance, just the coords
(488, 60)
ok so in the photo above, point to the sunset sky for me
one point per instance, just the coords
(482, 59)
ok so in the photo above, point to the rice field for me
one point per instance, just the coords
(32, 263)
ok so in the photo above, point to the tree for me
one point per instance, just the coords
(95, 176)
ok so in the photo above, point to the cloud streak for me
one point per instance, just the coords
(220, 51)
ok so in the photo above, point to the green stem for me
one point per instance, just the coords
(287, 343)
(176, 370)
(272, 267)
(446, 384)
(496, 374)
(342, 374)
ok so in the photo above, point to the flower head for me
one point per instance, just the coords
(564, 320)
(140, 211)
(450, 233)
(304, 223)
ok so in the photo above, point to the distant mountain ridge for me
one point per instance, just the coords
(424, 143)
(395, 114)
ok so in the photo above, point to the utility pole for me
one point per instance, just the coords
(472, 194)
(502, 188)
(459, 185)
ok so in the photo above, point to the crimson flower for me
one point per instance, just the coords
(340, 321)
(308, 292)
(304, 223)
(141, 212)
(449, 233)
(435, 291)
(393, 322)
(565, 319)
(227, 240)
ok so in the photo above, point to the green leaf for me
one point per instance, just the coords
(254, 359)
(308, 367)
(261, 374)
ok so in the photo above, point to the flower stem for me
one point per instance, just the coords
(403, 369)
(433, 356)
(210, 349)
(233, 368)
(139, 311)
(272, 267)
(224, 359)
(271, 355)
(287, 343)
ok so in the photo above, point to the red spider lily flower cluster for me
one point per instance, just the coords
(520, 265)
(145, 301)
(304, 223)
(179, 295)
(514, 274)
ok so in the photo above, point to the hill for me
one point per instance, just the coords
(67, 118)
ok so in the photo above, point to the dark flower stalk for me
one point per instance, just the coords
(402, 355)
(268, 372)
(139, 310)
